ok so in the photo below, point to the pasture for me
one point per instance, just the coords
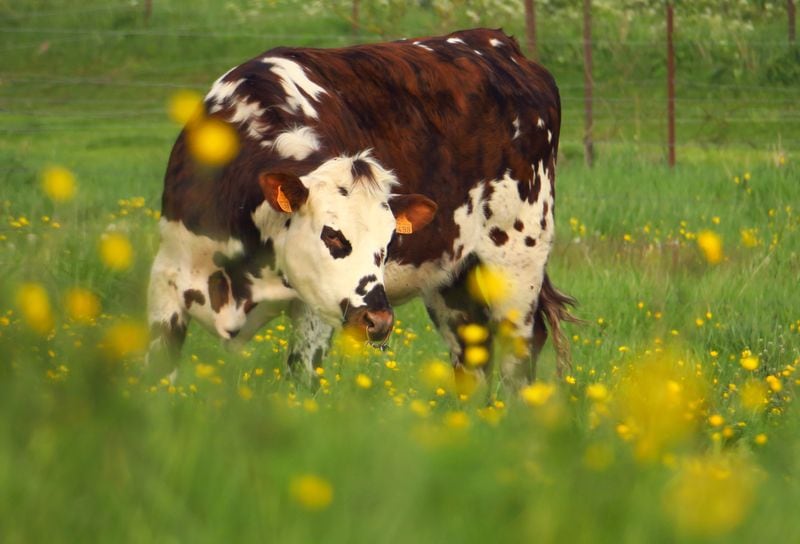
(678, 420)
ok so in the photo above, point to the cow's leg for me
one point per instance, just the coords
(524, 333)
(311, 338)
(451, 309)
(511, 285)
(168, 321)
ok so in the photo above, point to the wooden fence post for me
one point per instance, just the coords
(670, 88)
(588, 83)
(530, 28)
(356, 23)
(148, 10)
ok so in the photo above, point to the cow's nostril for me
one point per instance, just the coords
(378, 323)
(369, 322)
(233, 333)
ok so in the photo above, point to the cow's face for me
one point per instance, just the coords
(335, 226)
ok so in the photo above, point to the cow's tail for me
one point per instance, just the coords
(553, 307)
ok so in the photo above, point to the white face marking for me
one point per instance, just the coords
(296, 143)
(517, 132)
(549, 136)
(477, 52)
(496, 43)
(294, 80)
(422, 45)
(456, 40)
(540, 123)
(322, 279)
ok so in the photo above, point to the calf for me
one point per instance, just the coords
(462, 130)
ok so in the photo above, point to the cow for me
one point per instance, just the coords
(367, 176)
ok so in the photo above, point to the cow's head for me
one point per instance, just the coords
(331, 235)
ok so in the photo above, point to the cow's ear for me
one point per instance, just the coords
(412, 212)
(284, 192)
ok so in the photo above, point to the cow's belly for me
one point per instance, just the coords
(405, 281)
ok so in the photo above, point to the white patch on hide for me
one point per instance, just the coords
(294, 80)
(296, 143)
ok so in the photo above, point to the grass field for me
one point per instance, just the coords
(678, 420)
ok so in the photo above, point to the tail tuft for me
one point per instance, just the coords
(553, 306)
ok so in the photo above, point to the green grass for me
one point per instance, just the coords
(90, 451)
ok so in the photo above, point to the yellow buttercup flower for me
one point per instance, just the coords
(116, 251)
(124, 339)
(488, 284)
(472, 333)
(710, 244)
(659, 402)
(213, 142)
(437, 374)
(456, 420)
(749, 363)
(476, 356)
(185, 106)
(58, 183)
(82, 305)
(311, 492)
(363, 381)
(34, 305)
(537, 394)
(597, 392)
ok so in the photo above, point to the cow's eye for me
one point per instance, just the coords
(336, 243)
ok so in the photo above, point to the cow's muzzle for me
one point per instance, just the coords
(372, 325)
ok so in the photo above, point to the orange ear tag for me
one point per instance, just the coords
(283, 202)
(403, 225)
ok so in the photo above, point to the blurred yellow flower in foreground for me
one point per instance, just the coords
(456, 420)
(311, 492)
(487, 284)
(660, 403)
(437, 374)
(34, 305)
(711, 495)
(363, 381)
(537, 393)
(116, 251)
(749, 237)
(476, 356)
(749, 362)
(753, 395)
(472, 333)
(213, 142)
(58, 183)
(597, 392)
(124, 339)
(185, 106)
(82, 305)
(710, 244)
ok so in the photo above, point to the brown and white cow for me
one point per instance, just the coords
(460, 131)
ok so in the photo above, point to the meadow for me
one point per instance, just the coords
(677, 422)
